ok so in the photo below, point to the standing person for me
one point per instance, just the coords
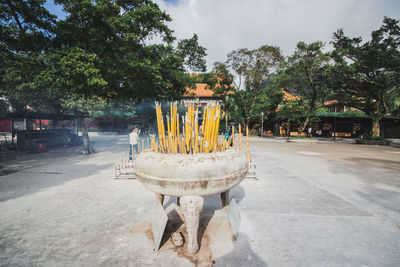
(227, 135)
(133, 142)
(230, 134)
(309, 132)
(14, 132)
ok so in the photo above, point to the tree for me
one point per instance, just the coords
(220, 80)
(117, 33)
(100, 52)
(252, 67)
(81, 107)
(267, 102)
(290, 112)
(26, 32)
(367, 75)
(396, 104)
(306, 74)
(193, 54)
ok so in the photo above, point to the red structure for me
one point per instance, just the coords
(6, 125)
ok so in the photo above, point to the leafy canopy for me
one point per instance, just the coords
(367, 75)
(253, 68)
(306, 74)
(102, 50)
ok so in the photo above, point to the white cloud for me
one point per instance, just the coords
(226, 25)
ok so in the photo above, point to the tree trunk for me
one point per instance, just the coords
(13, 133)
(246, 119)
(1, 159)
(246, 123)
(376, 128)
(254, 129)
(226, 120)
(87, 147)
(302, 128)
(288, 132)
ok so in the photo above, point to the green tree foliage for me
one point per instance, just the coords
(102, 48)
(193, 53)
(110, 121)
(220, 80)
(26, 32)
(118, 34)
(291, 112)
(253, 67)
(396, 104)
(102, 51)
(305, 74)
(266, 100)
(367, 75)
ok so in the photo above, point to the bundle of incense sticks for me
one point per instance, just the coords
(184, 137)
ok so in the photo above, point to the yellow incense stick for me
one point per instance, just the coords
(240, 137)
(233, 136)
(189, 141)
(247, 141)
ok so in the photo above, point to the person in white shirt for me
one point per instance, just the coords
(309, 132)
(133, 142)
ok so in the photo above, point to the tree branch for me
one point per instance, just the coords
(367, 80)
(15, 17)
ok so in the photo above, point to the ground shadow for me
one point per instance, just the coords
(382, 164)
(388, 201)
(174, 223)
(211, 204)
(29, 173)
(175, 219)
(205, 218)
(378, 185)
(171, 200)
(31, 181)
(237, 193)
(241, 255)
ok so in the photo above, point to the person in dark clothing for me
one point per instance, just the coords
(14, 132)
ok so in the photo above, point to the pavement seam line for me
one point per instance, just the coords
(320, 215)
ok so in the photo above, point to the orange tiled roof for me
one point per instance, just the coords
(289, 97)
(200, 91)
(331, 102)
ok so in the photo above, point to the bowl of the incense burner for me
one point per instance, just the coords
(190, 174)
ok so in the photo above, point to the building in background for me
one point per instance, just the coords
(200, 96)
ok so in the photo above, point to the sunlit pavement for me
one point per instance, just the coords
(314, 204)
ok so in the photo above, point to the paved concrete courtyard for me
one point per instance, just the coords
(314, 204)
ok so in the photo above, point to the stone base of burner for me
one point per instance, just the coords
(192, 207)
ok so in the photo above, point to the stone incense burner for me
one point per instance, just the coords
(191, 177)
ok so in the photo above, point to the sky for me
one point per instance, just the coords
(55, 9)
(227, 25)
